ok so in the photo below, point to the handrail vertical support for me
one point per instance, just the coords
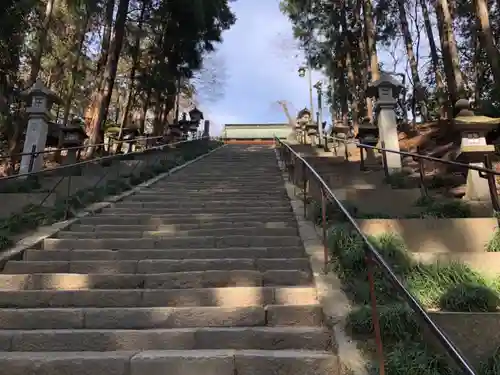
(492, 185)
(323, 225)
(375, 320)
(362, 166)
(384, 160)
(421, 172)
(304, 188)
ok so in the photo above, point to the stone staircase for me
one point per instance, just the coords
(201, 273)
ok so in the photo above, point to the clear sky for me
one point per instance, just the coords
(261, 66)
(260, 62)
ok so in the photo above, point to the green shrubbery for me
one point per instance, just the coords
(450, 287)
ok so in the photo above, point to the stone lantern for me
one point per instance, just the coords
(196, 116)
(386, 90)
(73, 136)
(368, 134)
(304, 123)
(41, 100)
(473, 129)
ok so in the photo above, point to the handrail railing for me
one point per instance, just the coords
(73, 148)
(372, 255)
(97, 160)
(486, 172)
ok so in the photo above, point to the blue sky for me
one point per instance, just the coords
(261, 68)
(260, 61)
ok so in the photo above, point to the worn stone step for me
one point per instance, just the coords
(224, 297)
(174, 242)
(102, 340)
(160, 317)
(137, 254)
(176, 202)
(116, 210)
(198, 219)
(183, 227)
(230, 192)
(201, 196)
(162, 233)
(176, 280)
(154, 266)
(172, 362)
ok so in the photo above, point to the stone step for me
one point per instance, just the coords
(205, 242)
(175, 280)
(154, 266)
(102, 340)
(202, 197)
(137, 254)
(162, 233)
(255, 186)
(224, 297)
(175, 202)
(183, 227)
(198, 219)
(160, 317)
(201, 210)
(173, 362)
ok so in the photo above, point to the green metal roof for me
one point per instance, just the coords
(256, 131)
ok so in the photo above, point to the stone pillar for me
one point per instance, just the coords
(386, 90)
(41, 100)
(389, 134)
(206, 129)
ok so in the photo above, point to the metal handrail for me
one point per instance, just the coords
(372, 254)
(420, 156)
(72, 148)
(96, 160)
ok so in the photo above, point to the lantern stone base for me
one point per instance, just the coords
(477, 188)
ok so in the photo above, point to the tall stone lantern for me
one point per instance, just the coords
(196, 116)
(473, 129)
(41, 100)
(386, 91)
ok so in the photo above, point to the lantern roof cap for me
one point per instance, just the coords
(39, 88)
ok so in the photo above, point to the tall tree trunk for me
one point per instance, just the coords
(435, 61)
(43, 34)
(371, 39)
(144, 112)
(135, 64)
(110, 73)
(92, 110)
(450, 52)
(487, 40)
(418, 94)
(74, 68)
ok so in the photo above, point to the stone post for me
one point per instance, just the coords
(206, 129)
(386, 90)
(41, 100)
(473, 145)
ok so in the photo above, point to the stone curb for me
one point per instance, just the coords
(34, 238)
(335, 304)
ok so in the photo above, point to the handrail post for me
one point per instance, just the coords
(33, 156)
(421, 172)
(375, 319)
(362, 166)
(323, 225)
(384, 159)
(346, 151)
(304, 188)
(492, 185)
